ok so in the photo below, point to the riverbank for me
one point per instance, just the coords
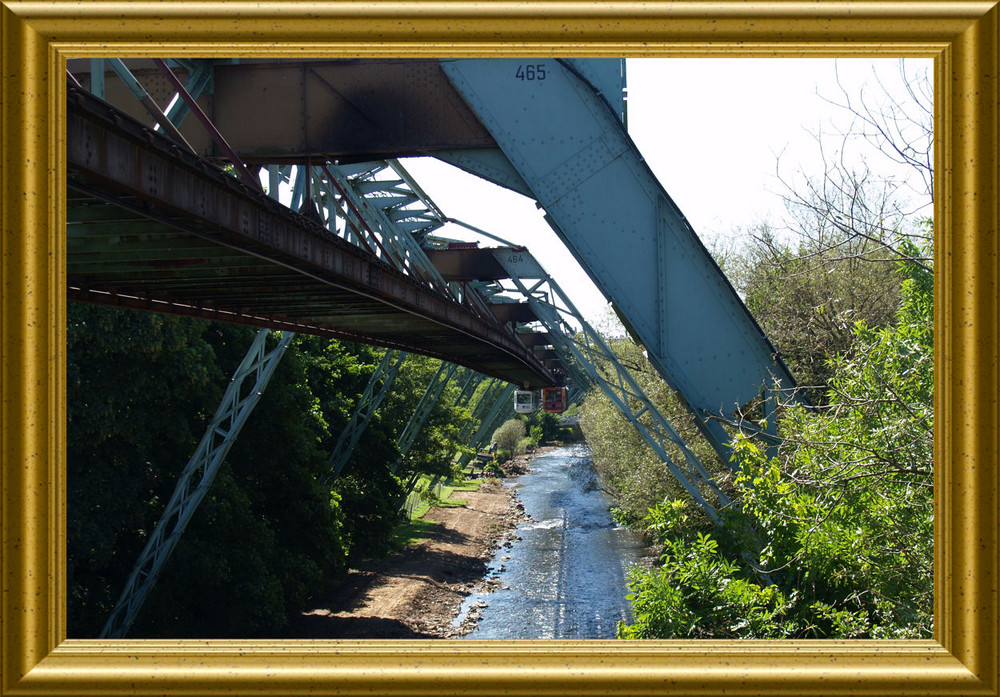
(417, 592)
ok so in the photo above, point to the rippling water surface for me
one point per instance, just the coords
(565, 577)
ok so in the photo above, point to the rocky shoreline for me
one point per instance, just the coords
(417, 593)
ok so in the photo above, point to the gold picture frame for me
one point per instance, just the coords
(37, 36)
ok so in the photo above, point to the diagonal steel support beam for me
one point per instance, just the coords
(196, 478)
(563, 132)
(147, 102)
(469, 385)
(481, 407)
(491, 421)
(241, 169)
(430, 397)
(586, 351)
(198, 81)
(378, 387)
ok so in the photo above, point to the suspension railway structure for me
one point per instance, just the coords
(274, 194)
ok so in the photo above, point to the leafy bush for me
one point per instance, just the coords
(536, 434)
(508, 436)
(492, 469)
(698, 593)
(842, 516)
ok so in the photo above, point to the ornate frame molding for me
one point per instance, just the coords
(35, 39)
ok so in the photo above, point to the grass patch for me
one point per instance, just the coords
(416, 506)
(420, 501)
(467, 485)
(412, 532)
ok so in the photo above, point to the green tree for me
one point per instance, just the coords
(629, 468)
(366, 490)
(807, 299)
(434, 447)
(142, 386)
(543, 426)
(843, 516)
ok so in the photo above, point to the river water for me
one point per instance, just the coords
(565, 578)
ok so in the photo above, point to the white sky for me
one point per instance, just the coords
(711, 129)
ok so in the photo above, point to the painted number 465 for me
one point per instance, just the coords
(530, 72)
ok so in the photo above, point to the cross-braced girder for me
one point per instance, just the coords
(378, 387)
(427, 402)
(584, 351)
(196, 478)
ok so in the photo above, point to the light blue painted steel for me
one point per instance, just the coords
(298, 174)
(248, 177)
(585, 350)
(195, 479)
(376, 390)
(405, 441)
(393, 206)
(486, 399)
(427, 401)
(347, 219)
(499, 412)
(488, 409)
(471, 382)
(488, 163)
(274, 181)
(126, 76)
(521, 266)
(97, 77)
(568, 144)
(199, 80)
(607, 78)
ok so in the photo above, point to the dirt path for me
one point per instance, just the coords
(418, 592)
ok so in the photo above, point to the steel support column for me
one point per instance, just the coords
(586, 350)
(196, 478)
(563, 133)
(427, 401)
(491, 421)
(376, 390)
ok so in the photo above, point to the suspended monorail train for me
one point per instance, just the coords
(526, 401)
(554, 400)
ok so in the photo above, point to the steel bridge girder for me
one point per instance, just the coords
(569, 145)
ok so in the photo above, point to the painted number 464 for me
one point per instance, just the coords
(530, 72)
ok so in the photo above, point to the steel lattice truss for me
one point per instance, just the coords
(427, 401)
(588, 357)
(378, 387)
(490, 407)
(197, 476)
(379, 207)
